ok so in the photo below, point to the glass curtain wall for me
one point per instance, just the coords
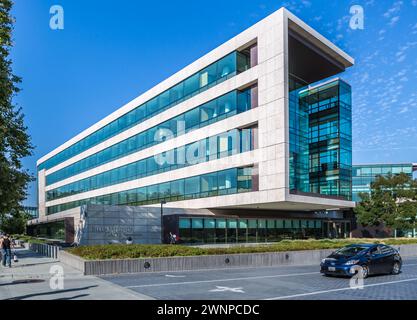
(364, 175)
(216, 110)
(229, 230)
(321, 139)
(224, 69)
(212, 184)
(209, 149)
(299, 137)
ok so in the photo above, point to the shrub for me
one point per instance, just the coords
(119, 251)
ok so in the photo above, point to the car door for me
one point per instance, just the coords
(387, 258)
(376, 261)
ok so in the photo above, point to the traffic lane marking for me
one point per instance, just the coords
(340, 289)
(222, 280)
(229, 279)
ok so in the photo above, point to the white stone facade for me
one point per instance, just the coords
(272, 154)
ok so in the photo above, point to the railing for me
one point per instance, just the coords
(44, 249)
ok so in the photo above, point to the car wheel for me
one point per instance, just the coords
(365, 272)
(396, 268)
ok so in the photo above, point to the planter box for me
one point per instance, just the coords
(172, 264)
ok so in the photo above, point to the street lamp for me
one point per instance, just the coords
(162, 220)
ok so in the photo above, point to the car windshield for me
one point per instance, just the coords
(350, 251)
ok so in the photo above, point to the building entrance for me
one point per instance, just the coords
(336, 230)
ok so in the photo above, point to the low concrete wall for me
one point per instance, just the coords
(172, 264)
(72, 260)
(44, 249)
(407, 250)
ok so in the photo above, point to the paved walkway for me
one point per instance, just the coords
(30, 279)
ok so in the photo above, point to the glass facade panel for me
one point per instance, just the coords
(149, 166)
(185, 223)
(363, 176)
(321, 139)
(188, 188)
(217, 72)
(147, 139)
(197, 223)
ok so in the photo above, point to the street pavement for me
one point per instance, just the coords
(270, 283)
(30, 279)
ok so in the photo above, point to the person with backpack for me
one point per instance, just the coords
(6, 251)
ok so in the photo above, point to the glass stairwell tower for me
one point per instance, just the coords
(321, 138)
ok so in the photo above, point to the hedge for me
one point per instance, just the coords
(119, 251)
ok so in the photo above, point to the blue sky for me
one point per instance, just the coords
(109, 54)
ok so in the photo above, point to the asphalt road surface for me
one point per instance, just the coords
(270, 283)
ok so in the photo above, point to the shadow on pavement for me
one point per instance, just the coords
(28, 296)
(18, 265)
(74, 297)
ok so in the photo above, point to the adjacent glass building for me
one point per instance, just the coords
(364, 175)
(241, 129)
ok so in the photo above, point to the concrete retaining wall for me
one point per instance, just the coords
(44, 249)
(103, 267)
(71, 260)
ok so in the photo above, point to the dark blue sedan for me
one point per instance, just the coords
(370, 259)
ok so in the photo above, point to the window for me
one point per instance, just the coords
(191, 85)
(227, 181)
(204, 79)
(227, 66)
(221, 223)
(165, 190)
(192, 119)
(209, 184)
(192, 187)
(177, 189)
(375, 250)
(197, 223)
(208, 111)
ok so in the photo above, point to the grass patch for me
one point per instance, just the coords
(28, 239)
(119, 251)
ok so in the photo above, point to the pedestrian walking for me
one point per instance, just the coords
(6, 251)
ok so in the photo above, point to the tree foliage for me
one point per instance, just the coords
(14, 223)
(15, 142)
(392, 201)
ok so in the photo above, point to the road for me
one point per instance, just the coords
(269, 283)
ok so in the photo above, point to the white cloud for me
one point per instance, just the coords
(396, 7)
(394, 20)
(306, 3)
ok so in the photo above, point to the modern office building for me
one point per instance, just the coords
(254, 139)
(364, 175)
(31, 211)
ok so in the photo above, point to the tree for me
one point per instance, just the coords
(15, 143)
(392, 202)
(14, 223)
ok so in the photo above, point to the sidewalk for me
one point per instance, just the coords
(29, 279)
